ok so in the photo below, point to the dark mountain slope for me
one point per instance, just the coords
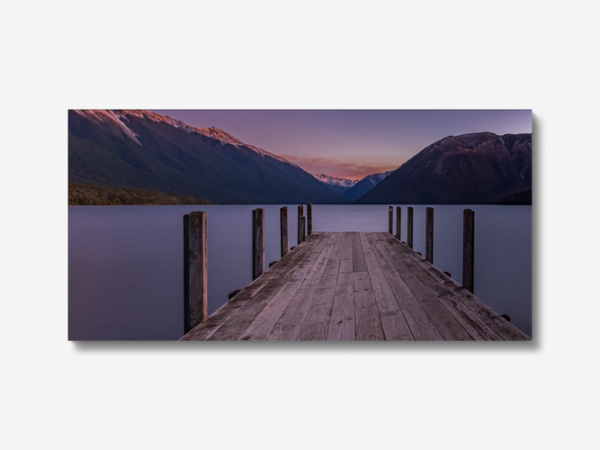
(144, 150)
(468, 169)
(365, 185)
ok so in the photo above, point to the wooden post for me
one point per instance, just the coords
(409, 227)
(309, 218)
(285, 239)
(398, 216)
(429, 234)
(391, 220)
(195, 306)
(303, 227)
(469, 250)
(300, 215)
(258, 243)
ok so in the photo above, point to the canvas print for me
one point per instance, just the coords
(300, 225)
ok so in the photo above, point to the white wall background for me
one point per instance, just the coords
(311, 54)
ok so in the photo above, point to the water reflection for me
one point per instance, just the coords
(126, 262)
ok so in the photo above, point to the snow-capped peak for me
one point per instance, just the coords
(335, 181)
(108, 116)
(119, 117)
(377, 178)
(219, 135)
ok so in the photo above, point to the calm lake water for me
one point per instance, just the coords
(126, 262)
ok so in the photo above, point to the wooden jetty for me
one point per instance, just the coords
(354, 286)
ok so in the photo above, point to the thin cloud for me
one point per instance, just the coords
(345, 169)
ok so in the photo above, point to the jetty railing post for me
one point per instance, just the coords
(429, 234)
(469, 250)
(258, 243)
(409, 227)
(303, 227)
(300, 231)
(195, 306)
(285, 240)
(309, 218)
(391, 220)
(398, 216)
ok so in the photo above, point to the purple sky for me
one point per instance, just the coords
(351, 143)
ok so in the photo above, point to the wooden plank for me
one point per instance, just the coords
(381, 290)
(258, 242)
(488, 316)
(399, 296)
(474, 330)
(477, 330)
(507, 330)
(420, 324)
(469, 320)
(358, 258)
(195, 270)
(498, 325)
(347, 252)
(367, 321)
(277, 273)
(395, 326)
(284, 226)
(276, 276)
(321, 245)
(336, 254)
(341, 324)
(288, 325)
(445, 323)
(263, 323)
(346, 264)
(316, 323)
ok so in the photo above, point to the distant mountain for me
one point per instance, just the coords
(468, 169)
(336, 184)
(146, 150)
(365, 185)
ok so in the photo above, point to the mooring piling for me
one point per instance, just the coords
(285, 240)
(409, 227)
(195, 306)
(258, 243)
(398, 217)
(469, 250)
(300, 231)
(429, 234)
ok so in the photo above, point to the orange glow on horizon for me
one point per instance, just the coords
(342, 169)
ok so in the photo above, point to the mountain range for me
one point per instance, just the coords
(474, 168)
(365, 185)
(336, 184)
(146, 150)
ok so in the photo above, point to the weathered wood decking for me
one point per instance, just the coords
(354, 286)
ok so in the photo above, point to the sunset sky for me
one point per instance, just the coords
(351, 143)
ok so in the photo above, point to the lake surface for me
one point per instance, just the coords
(126, 262)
